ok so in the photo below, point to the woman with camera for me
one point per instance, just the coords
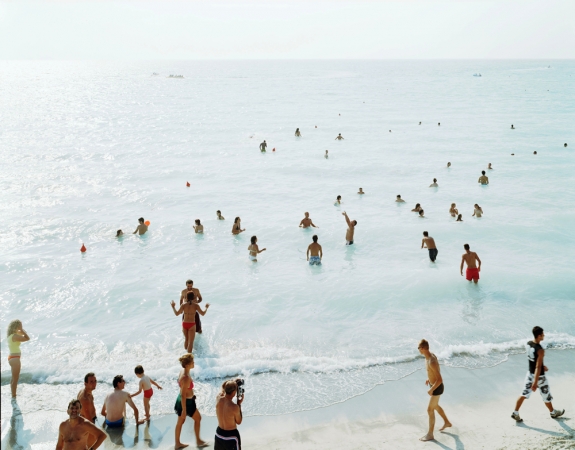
(186, 402)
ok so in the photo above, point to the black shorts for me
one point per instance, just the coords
(227, 440)
(438, 390)
(190, 406)
(432, 253)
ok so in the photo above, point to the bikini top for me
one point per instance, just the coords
(191, 383)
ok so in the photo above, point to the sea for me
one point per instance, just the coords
(87, 148)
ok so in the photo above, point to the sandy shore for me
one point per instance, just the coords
(391, 416)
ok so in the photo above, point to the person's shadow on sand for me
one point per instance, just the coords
(152, 436)
(458, 444)
(541, 430)
(17, 437)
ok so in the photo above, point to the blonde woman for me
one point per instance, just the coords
(186, 402)
(16, 335)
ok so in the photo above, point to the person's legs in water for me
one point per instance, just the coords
(185, 337)
(197, 421)
(15, 366)
(191, 338)
(147, 408)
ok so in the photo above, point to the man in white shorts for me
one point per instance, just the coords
(535, 354)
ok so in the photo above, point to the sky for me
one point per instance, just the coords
(338, 29)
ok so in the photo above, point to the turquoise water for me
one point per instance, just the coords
(87, 148)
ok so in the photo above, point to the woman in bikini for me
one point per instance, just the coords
(477, 212)
(453, 210)
(237, 228)
(186, 402)
(16, 335)
(189, 308)
(254, 249)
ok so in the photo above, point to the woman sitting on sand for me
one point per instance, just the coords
(16, 335)
(186, 402)
(453, 210)
(237, 228)
(417, 208)
(477, 212)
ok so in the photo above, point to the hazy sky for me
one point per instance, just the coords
(170, 29)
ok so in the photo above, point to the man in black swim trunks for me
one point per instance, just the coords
(229, 416)
(435, 382)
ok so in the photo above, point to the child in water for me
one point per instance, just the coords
(146, 386)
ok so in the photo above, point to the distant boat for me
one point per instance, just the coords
(176, 76)
(476, 74)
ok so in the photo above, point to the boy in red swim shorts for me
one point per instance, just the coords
(146, 386)
(473, 270)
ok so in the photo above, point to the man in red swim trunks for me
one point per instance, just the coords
(470, 257)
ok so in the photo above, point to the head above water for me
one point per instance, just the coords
(435, 180)
(314, 237)
(483, 172)
(198, 222)
(448, 164)
(425, 233)
(141, 220)
(398, 196)
(338, 197)
(218, 212)
(254, 239)
(417, 205)
(186, 360)
(236, 220)
(421, 212)
(118, 233)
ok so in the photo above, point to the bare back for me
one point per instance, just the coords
(115, 404)
(470, 258)
(429, 242)
(227, 412)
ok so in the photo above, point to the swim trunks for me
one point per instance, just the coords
(252, 258)
(314, 261)
(472, 274)
(542, 384)
(438, 390)
(188, 325)
(190, 406)
(116, 424)
(348, 242)
(432, 254)
(148, 393)
(227, 440)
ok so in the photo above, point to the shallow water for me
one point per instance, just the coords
(87, 148)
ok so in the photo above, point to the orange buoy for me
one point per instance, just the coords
(188, 183)
(147, 223)
(83, 249)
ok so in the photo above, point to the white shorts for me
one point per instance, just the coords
(542, 385)
(252, 258)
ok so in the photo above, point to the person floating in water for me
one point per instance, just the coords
(429, 242)
(198, 227)
(434, 184)
(119, 233)
(263, 146)
(489, 166)
(219, 214)
(339, 137)
(422, 213)
(142, 227)
(459, 218)
(453, 210)
(399, 199)
(417, 208)
(361, 191)
(297, 133)
(314, 252)
(350, 229)
(326, 155)
(473, 270)
(237, 227)
(483, 179)
(337, 201)
(565, 145)
(306, 222)
(448, 165)
(419, 123)
(254, 249)
(512, 127)
(438, 124)
(477, 211)
(436, 388)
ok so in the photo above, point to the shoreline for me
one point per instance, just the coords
(392, 415)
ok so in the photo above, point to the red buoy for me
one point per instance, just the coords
(83, 249)
(187, 184)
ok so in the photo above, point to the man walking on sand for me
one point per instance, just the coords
(470, 257)
(535, 354)
(429, 242)
(435, 383)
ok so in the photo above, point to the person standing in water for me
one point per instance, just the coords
(297, 133)
(254, 249)
(448, 165)
(477, 211)
(483, 179)
(429, 242)
(535, 354)
(421, 213)
(350, 229)
(459, 218)
(189, 309)
(436, 388)
(198, 227)
(361, 191)
(15, 336)
(186, 403)
(434, 184)
(237, 227)
(306, 222)
(219, 214)
(399, 199)
(489, 166)
(86, 397)
(263, 146)
(142, 227)
(326, 155)
(119, 233)
(316, 252)
(337, 201)
(229, 416)
(469, 258)
(74, 433)
(417, 208)
(339, 137)
(114, 408)
(453, 210)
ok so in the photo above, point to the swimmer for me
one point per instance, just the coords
(435, 383)
(390, 131)
(337, 201)
(438, 124)
(459, 218)
(114, 407)
(86, 398)
(477, 211)
(565, 145)
(197, 298)
(119, 233)
(145, 385)
(512, 154)
(306, 222)
(263, 146)
(434, 184)
(535, 153)
(453, 210)
(361, 191)
(421, 214)
(237, 228)
(399, 199)
(419, 123)
(512, 127)
(198, 227)
(326, 155)
(316, 252)
(429, 242)
(254, 249)
(219, 214)
(350, 229)
(142, 228)
(339, 136)
(15, 336)
(448, 165)
(189, 309)
(489, 166)
(73, 433)
(297, 133)
(483, 179)
(316, 126)
(417, 208)
(470, 257)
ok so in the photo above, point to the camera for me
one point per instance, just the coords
(240, 382)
